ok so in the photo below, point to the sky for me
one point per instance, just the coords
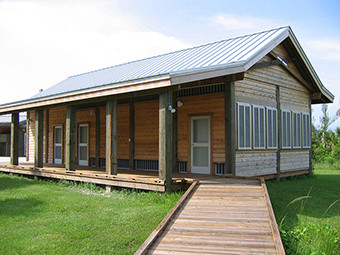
(42, 42)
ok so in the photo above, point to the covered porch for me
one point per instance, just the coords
(112, 140)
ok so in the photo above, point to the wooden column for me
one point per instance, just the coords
(131, 134)
(14, 139)
(167, 149)
(27, 135)
(39, 138)
(97, 136)
(230, 128)
(70, 150)
(310, 137)
(111, 137)
(279, 129)
(46, 134)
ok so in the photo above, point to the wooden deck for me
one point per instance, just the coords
(219, 216)
(135, 179)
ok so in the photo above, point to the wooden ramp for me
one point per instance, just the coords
(219, 216)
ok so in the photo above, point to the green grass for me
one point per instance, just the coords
(307, 210)
(40, 217)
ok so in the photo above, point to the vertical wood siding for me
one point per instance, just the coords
(212, 105)
(146, 130)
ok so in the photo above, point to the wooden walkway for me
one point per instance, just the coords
(219, 216)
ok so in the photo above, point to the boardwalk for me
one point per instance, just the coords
(221, 216)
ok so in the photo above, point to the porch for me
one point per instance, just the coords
(125, 178)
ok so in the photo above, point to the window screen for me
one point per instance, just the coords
(244, 126)
(259, 130)
(271, 128)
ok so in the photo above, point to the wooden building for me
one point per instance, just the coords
(240, 106)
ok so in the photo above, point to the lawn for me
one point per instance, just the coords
(307, 210)
(40, 217)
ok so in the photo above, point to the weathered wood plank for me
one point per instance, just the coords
(111, 136)
(14, 139)
(70, 148)
(39, 138)
(230, 128)
(131, 134)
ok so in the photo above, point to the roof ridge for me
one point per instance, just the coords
(165, 54)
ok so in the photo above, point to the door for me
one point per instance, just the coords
(200, 145)
(58, 144)
(83, 145)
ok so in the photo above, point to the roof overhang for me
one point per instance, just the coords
(98, 92)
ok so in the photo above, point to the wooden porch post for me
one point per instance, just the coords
(230, 128)
(131, 134)
(27, 135)
(279, 130)
(97, 136)
(14, 139)
(39, 138)
(310, 137)
(46, 134)
(111, 136)
(70, 149)
(166, 139)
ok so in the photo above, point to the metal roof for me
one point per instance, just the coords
(222, 58)
(221, 53)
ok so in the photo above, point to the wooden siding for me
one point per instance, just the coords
(123, 131)
(259, 87)
(254, 163)
(146, 130)
(294, 160)
(31, 135)
(57, 117)
(212, 105)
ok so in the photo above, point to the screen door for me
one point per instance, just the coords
(58, 144)
(200, 145)
(83, 144)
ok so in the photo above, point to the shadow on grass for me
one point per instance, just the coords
(17, 206)
(14, 182)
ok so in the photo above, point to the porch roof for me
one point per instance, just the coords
(226, 57)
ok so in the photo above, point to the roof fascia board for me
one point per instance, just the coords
(265, 50)
(112, 90)
(310, 68)
(207, 73)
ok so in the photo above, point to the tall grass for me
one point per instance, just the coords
(307, 209)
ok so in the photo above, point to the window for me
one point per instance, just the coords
(306, 130)
(271, 128)
(244, 126)
(286, 129)
(296, 129)
(259, 127)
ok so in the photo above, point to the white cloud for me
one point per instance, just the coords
(43, 42)
(244, 24)
(327, 49)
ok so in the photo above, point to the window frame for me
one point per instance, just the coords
(304, 129)
(298, 130)
(273, 130)
(264, 126)
(244, 122)
(290, 128)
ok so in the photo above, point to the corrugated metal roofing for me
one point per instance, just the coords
(221, 53)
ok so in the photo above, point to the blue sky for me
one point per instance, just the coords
(44, 42)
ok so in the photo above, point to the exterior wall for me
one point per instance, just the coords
(123, 131)
(146, 130)
(202, 105)
(259, 87)
(31, 135)
(57, 117)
